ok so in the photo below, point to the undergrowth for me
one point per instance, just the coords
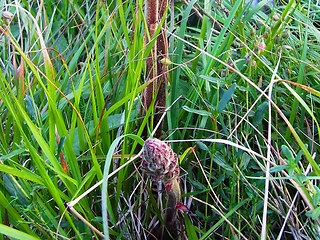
(242, 113)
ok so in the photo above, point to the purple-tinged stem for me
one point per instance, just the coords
(155, 70)
(160, 163)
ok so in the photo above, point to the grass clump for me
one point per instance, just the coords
(241, 112)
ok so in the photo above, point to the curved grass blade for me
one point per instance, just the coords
(21, 173)
(16, 234)
(107, 164)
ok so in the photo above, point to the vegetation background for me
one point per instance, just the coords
(242, 112)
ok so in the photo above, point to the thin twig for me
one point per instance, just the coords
(86, 222)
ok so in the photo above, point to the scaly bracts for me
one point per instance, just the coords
(160, 163)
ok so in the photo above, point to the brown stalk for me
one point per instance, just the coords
(154, 12)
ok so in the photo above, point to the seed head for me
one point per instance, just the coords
(7, 18)
(6, 15)
(166, 61)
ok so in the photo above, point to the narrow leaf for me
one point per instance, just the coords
(259, 114)
(15, 234)
(196, 111)
(219, 159)
(190, 228)
(315, 213)
(12, 154)
(286, 151)
(278, 168)
(21, 173)
(226, 98)
(223, 219)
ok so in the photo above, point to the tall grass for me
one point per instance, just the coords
(242, 113)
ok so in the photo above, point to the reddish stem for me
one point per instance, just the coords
(155, 70)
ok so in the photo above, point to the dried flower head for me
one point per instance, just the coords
(159, 161)
(166, 61)
(7, 15)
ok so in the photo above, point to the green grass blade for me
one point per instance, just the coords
(178, 60)
(16, 219)
(16, 234)
(191, 232)
(218, 41)
(223, 219)
(107, 164)
(301, 77)
(21, 172)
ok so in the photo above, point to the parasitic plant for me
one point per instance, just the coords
(156, 71)
(160, 163)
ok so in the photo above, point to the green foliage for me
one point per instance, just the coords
(71, 83)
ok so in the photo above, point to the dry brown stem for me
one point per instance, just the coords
(154, 12)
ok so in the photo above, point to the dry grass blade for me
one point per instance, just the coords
(266, 193)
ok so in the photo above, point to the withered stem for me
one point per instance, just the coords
(154, 12)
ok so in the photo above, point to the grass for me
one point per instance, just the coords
(242, 113)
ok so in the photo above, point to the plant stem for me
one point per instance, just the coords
(161, 164)
(170, 218)
(155, 70)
